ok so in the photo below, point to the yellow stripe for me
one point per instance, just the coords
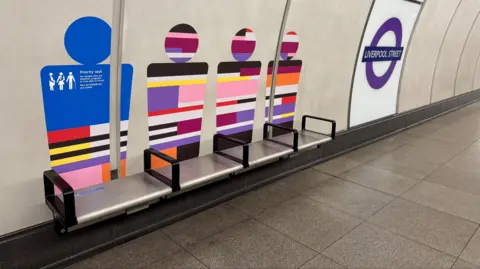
(69, 148)
(71, 160)
(287, 115)
(231, 79)
(175, 83)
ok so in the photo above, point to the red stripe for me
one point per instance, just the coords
(174, 110)
(289, 99)
(68, 134)
(227, 103)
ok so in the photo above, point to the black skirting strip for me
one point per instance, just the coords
(40, 246)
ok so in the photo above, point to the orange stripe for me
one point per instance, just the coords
(174, 110)
(289, 99)
(123, 168)
(227, 103)
(105, 172)
(284, 79)
(159, 163)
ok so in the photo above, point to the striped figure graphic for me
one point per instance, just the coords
(176, 93)
(237, 87)
(288, 77)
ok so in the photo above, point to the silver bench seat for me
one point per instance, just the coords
(202, 170)
(260, 152)
(117, 196)
(306, 139)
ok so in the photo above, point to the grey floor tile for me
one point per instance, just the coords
(181, 260)
(322, 262)
(469, 160)
(445, 199)
(304, 180)
(373, 151)
(135, 254)
(258, 200)
(349, 197)
(463, 180)
(380, 179)
(459, 264)
(337, 166)
(250, 244)
(424, 129)
(430, 227)
(471, 253)
(204, 224)
(309, 222)
(369, 246)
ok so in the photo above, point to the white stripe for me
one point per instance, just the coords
(175, 117)
(100, 143)
(275, 117)
(180, 55)
(235, 108)
(123, 149)
(99, 129)
(235, 98)
(174, 138)
(231, 126)
(191, 104)
(286, 89)
(123, 138)
(175, 78)
(254, 77)
(290, 38)
(100, 153)
(276, 102)
(124, 125)
(227, 75)
(250, 36)
(162, 131)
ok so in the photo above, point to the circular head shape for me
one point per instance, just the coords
(88, 39)
(181, 43)
(289, 47)
(70, 73)
(243, 45)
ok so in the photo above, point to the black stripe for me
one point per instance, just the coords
(249, 100)
(78, 141)
(176, 69)
(78, 152)
(123, 143)
(234, 67)
(162, 126)
(242, 32)
(287, 63)
(159, 136)
(415, 2)
(283, 95)
(123, 133)
(183, 28)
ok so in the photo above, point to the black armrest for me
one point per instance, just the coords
(66, 209)
(173, 182)
(295, 135)
(334, 124)
(244, 161)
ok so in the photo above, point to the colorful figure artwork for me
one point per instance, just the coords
(237, 87)
(176, 93)
(288, 77)
(76, 102)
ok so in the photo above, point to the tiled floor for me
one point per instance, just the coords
(409, 201)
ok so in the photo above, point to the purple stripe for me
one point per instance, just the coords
(237, 130)
(162, 98)
(123, 155)
(245, 115)
(177, 143)
(286, 69)
(180, 60)
(283, 120)
(241, 57)
(82, 164)
(281, 109)
(239, 46)
(173, 50)
(249, 72)
(188, 45)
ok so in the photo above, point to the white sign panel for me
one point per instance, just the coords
(380, 59)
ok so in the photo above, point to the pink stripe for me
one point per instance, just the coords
(237, 88)
(182, 35)
(192, 93)
(85, 177)
(242, 38)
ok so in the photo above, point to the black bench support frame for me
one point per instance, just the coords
(64, 215)
(173, 182)
(334, 124)
(294, 146)
(244, 161)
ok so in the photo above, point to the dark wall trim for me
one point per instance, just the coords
(40, 246)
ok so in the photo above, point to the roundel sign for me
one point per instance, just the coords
(375, 53)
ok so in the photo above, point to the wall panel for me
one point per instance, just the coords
(466, 66)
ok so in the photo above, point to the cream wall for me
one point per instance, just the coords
(330, 32)
(468, 61)
(446, 69)
(32, 37)
(416, 81)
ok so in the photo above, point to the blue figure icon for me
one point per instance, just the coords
(78, 119)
